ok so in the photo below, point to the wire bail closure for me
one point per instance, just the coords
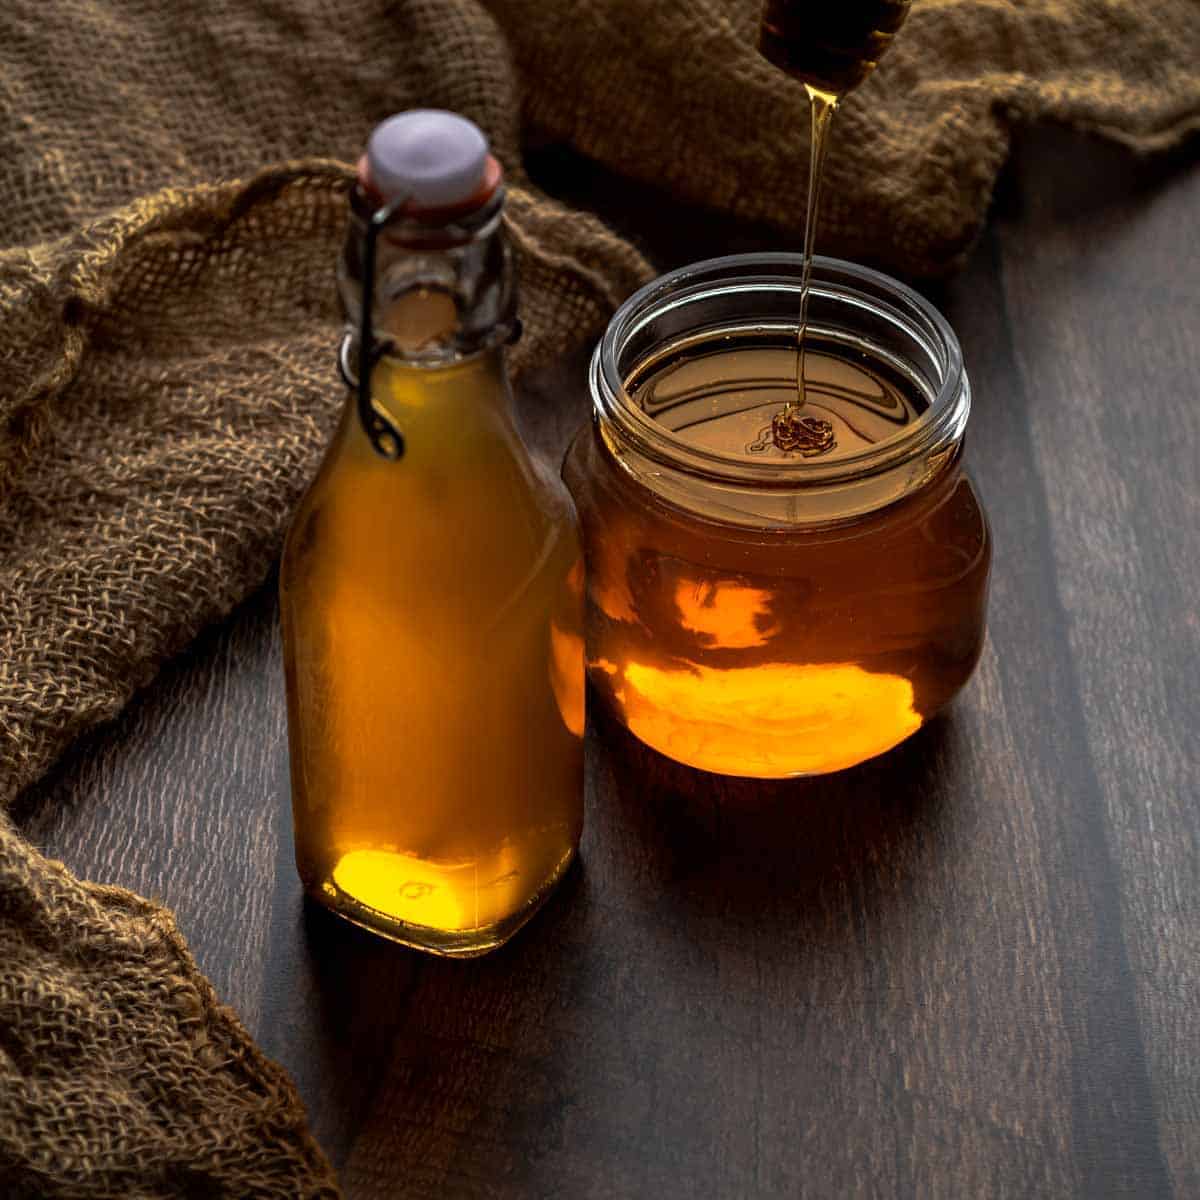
(382, 431)
(384, 434)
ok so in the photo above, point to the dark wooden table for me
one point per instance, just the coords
(967, 969)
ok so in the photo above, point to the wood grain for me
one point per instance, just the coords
(966, 969)
(1115, 344)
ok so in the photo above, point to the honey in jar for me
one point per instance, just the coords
(767, 605)
(432, 583)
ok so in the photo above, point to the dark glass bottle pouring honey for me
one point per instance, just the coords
(832, 47)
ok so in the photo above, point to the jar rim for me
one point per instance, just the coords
(941, 425)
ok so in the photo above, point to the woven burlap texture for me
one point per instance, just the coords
(173, 187)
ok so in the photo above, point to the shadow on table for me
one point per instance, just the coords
(503, 1072)
(427, 1060)
(768, 850)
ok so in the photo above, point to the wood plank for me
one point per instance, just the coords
(1110, 358)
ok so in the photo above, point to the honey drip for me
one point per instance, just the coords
(830, 49)
(791, 431)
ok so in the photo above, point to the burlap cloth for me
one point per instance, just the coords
(171, 203)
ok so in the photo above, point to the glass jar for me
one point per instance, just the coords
(759, 611)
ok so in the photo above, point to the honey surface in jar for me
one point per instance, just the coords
(794, 647)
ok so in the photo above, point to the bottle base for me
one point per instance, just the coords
(445, 943)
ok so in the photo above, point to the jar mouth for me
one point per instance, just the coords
(885, 317)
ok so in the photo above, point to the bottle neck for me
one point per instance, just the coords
(443, 291)
(411, 392)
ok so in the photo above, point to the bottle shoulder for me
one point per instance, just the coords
(468, 510)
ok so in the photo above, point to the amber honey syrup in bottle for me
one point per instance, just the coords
(431, 584)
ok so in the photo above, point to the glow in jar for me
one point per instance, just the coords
(770, 605)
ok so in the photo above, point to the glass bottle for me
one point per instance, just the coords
(431, 585)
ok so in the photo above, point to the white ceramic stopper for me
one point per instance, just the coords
(427, 156)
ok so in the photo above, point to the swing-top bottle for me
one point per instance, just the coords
(431, 584)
